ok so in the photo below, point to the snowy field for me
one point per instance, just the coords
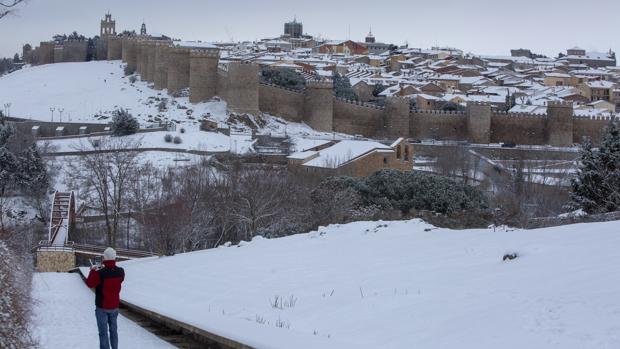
(64, 316)
(190, 140)
(397, 285)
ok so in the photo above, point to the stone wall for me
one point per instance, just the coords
(590, 127)
(437, 124)
(286, 103)
(150, 61)
(357, 118)
(130, 53)
(396, 117)
(75, 51)
(517, 128)
(114, 48)
(55, 261)
(161, 65)
(203, 74)
(178, 69)
(240, 87)
(478, 123)
(48, 129)
(559, 124)
(319, 105)
(46, 52)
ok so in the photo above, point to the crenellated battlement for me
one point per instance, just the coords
(436, 112)
(359, 103)
(205, 52)
(560, 104)
(320, 84)
(301, 92)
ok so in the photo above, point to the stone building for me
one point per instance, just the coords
(353, 158)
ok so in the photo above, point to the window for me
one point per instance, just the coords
(398, 152)
(406, 153)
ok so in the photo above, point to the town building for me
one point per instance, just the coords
(357, 158)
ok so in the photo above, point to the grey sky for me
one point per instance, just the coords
(480, 26)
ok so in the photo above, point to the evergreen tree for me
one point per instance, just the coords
(597, 186)
(123, 123)
(32, 176)
(343, 89)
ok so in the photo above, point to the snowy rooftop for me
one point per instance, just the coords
(343, 152)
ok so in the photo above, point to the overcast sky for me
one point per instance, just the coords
(480, 26)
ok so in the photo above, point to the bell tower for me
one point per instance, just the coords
(108, 26)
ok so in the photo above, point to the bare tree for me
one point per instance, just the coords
(8, 6)
(104, 176)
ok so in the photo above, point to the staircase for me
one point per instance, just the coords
(62, 218)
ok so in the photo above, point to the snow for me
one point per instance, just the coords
(85, 90)
(402, 284)
(342, 152)
(191, 140)
(64, 316)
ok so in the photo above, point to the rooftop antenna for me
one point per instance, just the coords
(349, 32)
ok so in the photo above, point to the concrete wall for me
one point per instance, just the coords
(178, 69)
(319, 105)
(114, 48)
(203, 74)
(286, 103)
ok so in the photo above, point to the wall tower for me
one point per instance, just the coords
(319, 105)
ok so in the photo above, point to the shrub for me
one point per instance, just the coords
(168, 138)
(123, 123)
(284, 77)
(129, 71)
(177, 140)
(182, 130)
(133, 79)
(406, 191)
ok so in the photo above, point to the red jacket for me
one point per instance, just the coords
(107, 283)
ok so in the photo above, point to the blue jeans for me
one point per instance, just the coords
(107, 318)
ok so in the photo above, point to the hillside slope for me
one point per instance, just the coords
(397, 285)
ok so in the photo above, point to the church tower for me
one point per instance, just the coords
(370, 39)
(108, 26)
(143, 29)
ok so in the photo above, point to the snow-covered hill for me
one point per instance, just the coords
(92, 91)
(399, 284)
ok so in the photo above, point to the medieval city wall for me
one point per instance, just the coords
(74, 51)
(518, 128)
(589, 127)
(114, 48)
(46, 52)
(357, 118)
(286, 103)
(178, 69)
(203, 66)
(239, 86)
(438, 124)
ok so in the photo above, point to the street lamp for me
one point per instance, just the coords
(7, 109)
(52, 110)
(61, 110)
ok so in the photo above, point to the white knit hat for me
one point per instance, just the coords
(109, 254)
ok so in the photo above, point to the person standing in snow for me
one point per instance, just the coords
(107, 282)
